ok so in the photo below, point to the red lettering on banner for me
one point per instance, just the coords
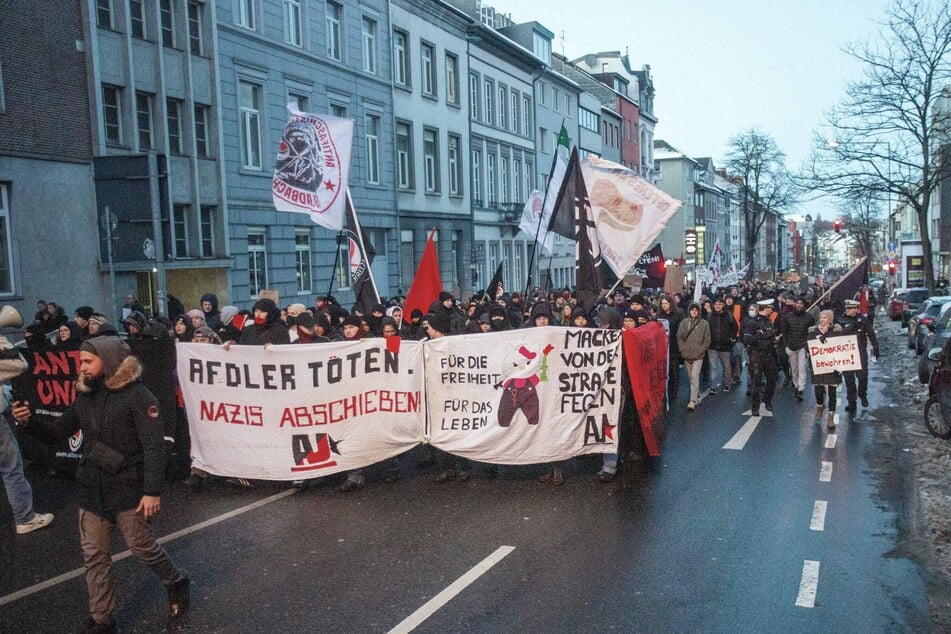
(231, 413)
(351, 407)
(53, 392)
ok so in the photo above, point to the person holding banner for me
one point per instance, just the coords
(267, 327)
(825, 385)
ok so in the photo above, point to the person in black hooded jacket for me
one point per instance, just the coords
(267, 327)
(209, 306)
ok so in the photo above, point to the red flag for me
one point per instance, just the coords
(645, 350)
(427, 285)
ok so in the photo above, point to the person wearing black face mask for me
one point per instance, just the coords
(498, 318)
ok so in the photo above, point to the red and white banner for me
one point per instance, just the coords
(303, 411)
(313, 167)
(300, 411)
(839, 353)
(645, 350)
(527, 396)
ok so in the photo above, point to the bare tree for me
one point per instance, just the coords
(884, 138)
(766, 186)
(862, 221)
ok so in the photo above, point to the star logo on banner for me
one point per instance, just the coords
(609, 431)
(334, 444)
(329, 185)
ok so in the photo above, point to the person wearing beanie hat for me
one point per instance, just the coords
(95, 323)
(540, 315)
(82, 317)
(352, 328)
(295, 309)
(438, 323)
(121, 476)
(229, 330)
(182, 327)
(204, 334)
(197, 317)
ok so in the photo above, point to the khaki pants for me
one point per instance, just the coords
(94, 535)
(693, 372)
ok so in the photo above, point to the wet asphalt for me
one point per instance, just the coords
(702, 539)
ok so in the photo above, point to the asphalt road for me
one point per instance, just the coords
(703, 539)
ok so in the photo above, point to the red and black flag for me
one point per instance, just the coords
(572, 218)
(495, 288)
(360, 257)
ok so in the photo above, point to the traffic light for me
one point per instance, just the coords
(837, 225)
(891, 267)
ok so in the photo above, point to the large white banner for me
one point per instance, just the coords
(301, 411)
(839, 353)
(527, 396)
(629, 211)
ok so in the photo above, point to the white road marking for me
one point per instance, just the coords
(825, 474)
(763, 412)
(818, 522)
(430, 607)
(830, 441)
(741, 437)
(72, 574)
(808, 585)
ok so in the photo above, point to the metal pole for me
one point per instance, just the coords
(112, 268)
(333, 273)
(157, 237)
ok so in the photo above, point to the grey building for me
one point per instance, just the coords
(431, 110)
(332, 58)
(48, 220)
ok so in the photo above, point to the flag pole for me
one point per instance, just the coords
(359, 230)
(538, 229)
(333, 273)
(832, 288)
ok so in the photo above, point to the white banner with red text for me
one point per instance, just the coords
(304, 411)
(838, 353)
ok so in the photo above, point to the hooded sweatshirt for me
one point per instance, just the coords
(693, 335)
(213, 316)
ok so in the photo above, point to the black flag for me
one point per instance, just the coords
(651, 267)
(848, 286)
(572, 218)
(494, 289)
(359, 257)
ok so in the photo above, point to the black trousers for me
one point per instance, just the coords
(822, 391)
(763, 363)
(857, 379)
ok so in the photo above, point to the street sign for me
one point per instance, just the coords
(891, 245)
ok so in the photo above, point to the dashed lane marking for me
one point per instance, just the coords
(808, 585)
(830, 441)
(818, 522)
(430, 607)
(825, 473)
(72, 574)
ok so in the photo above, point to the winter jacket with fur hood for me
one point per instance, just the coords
(121, 413)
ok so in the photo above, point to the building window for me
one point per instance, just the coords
(112, 114)
(369, 45)
(208, 213)
(529, 177)
(104, 13)
(543, 139)
(174, 108)
(373, 149)
(338, 111)
(302, 260)
(542, 93)
(526, 115)
(568, 102)
(431, 159)
(244, 16)
(194, 27)
(428, 69)
(514, 119)
(474, 96)
(588, 120)
(455, 169)
(477, 177)
(167, 14)
(334, 19)
(490, 192)
(504, 179)
(542, 48)
(554, 99)
(301, 102)
(201, 130)
(452, 79)
(137, 15)
(342, 274)
(257, 260)
(179, 226)
(488, 90)
(401, 72)
(503, 107)
(516, 181)
(6, 252)
(143, 119)
(292, 28)
(404, 155)
(407, 256)
(249, 96)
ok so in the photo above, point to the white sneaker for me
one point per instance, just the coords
(40, 520)
(691, 406)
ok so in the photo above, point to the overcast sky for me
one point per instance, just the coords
(721, 67)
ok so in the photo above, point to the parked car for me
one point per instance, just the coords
(918, 323)
(896, 302)
(939, 331)
(912, 303)
(938, 405)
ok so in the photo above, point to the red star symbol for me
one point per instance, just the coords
(329, 185)
(609, 431)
